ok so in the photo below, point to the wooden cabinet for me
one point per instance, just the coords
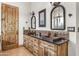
(43, 48)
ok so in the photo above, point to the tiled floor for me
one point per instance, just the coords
(21, 51)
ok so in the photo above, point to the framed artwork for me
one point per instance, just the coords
(42, 18)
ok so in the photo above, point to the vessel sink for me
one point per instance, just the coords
(59, 40)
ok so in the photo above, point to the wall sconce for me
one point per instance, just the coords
(26, 22)
(51, 3)
(69, 14)
(33, 13)
(55, 3)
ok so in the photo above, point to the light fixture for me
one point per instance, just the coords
(26, 22)
(69, 14)
(51, 3)
(55, 3)
(33, 13)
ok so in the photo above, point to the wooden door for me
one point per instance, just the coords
(9, 26)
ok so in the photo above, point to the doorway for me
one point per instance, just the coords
(9, 26)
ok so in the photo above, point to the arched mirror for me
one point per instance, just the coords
(58, 18)
(33, 21)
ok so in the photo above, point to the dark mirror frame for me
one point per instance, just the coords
(42, 11)
(64, 25)
(32, 21)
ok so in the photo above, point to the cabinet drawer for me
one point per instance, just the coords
(35, 50)
(52, 46)
(24, 38)
(27, 36)
(26, 45)
(43, 43)
(30, 41)
(35, 44)
(48, 45)
(30, 48)
(35, 40)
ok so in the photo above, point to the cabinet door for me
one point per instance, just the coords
(45, 51)
(41, 51)
(51, 52)
(63, 49)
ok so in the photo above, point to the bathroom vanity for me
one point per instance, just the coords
(46, 46)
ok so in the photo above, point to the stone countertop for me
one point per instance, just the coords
(50, 40)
